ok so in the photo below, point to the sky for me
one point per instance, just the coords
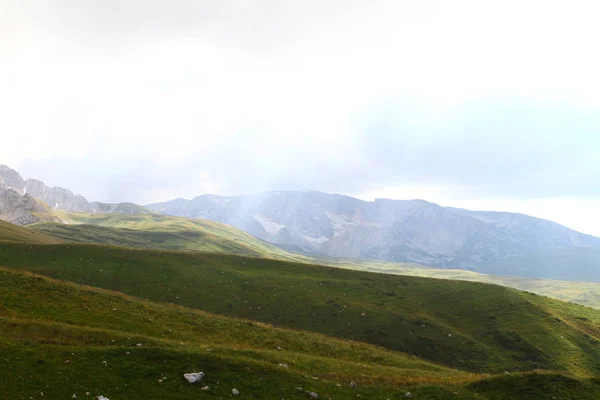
(475, 104)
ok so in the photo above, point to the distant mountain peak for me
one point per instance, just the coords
(34, 191)
(386, 229)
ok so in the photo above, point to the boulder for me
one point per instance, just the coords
(194, 377)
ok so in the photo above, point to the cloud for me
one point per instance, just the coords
(148, 100)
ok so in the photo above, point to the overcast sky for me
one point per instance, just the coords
(481, 104)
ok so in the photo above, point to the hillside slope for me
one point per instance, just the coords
(76, 339)
(172, 233)
(160, 232)
(61, 340)
(14, 233)
(472, 326)
(396, 230)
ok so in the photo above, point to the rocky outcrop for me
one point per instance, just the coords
(62, 199)
(17, 208)
(56, 197)
(11, 178)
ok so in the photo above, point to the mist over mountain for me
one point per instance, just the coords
(392, 230)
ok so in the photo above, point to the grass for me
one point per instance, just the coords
(14, 233)
(471, 326)
(586, 293)
(60, 339)
(174, 233)
(154, 231)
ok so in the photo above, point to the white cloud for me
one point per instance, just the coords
(165, 99)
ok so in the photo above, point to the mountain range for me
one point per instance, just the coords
(336, 226)
(415, 231)
(23, 201)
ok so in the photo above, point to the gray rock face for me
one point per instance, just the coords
(58, 198)
(12, 179)
(17, 208)
(391, 230)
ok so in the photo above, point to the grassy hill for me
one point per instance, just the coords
(154, 231)
(60, 339)
(63, 339)
(174, 233)
(586, 293)
(14, 233)
(472, 326)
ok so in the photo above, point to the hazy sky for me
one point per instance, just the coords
(481, 104)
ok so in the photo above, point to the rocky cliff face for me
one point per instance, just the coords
(57, 198)
(392, 230)
(18, 208)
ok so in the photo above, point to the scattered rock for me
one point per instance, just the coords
(408, 395)
(299, 389)
(235, 392)
(194, 377)
(139, 345)
(204, 388)
(283, 365)
(101, 398)
(449, 335)
(279, 348)
(353, 385)
(313, 395)
(74, 396)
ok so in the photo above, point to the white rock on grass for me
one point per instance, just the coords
(194, 377)
(313, 395)
(353, 385)
(283, 365)
(235, 392)
(408, 395)
(101, 398)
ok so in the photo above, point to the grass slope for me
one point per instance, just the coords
(14, 233)
(60, 339)
(472, 326)
(586, 293)
(153, 231)
(173, 233)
